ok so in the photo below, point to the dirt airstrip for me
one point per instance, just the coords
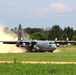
(38, 62)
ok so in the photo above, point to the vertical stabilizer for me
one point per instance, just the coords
(20, 33)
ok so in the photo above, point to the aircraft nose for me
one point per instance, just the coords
(54, 46)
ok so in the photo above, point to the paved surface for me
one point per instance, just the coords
(39, 62)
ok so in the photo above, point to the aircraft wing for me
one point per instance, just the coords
(29, 42)
(9, 42)
(64, 41)
(23, 41)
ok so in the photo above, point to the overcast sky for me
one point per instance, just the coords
(38, 13)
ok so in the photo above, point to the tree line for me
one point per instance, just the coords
(47, 34)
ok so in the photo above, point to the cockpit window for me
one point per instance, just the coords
(51, 42)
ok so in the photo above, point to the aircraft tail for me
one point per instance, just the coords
(20, 33)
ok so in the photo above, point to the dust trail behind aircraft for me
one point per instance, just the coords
(5, 48)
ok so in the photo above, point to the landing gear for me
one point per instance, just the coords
(41, 51)
(18, 45)
(33, 50)
(51, 51)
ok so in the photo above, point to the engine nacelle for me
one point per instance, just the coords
(18, 44)
(23, 45)
(36, 48)
(57, 45)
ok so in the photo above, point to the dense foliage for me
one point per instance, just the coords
(48, 33)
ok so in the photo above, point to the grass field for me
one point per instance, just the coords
(37, 69)
(65, 54)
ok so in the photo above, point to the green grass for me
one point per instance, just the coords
(37, 69)
(39, 57)
(71, 48)
(66, 54)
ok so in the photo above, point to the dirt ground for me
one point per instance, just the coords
(38, 62)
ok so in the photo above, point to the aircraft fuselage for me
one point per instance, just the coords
(42, 46)
(46, 46)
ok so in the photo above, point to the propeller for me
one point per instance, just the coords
(57, 44)
(64, 42)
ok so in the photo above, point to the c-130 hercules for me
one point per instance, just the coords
(36, 45)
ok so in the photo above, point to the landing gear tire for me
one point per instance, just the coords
(33, 50)
(41, 51)
(51, 51)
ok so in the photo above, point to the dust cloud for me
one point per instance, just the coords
(57, 50)
(8, 48)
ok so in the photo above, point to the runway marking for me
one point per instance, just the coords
(38, 62)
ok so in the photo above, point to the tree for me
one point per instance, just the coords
(74, 38)
(69, 32)
(38, 36)
(32, 30)
(28, 30)
(14, 30)
(55, 32)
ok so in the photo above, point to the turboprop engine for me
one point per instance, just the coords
(20, 44)
(36, 48)
(33, 47)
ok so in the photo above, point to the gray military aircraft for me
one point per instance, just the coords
(36, 45)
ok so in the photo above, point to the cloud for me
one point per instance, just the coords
(22, 9)
(60, 7)
(43, 10)
(55, 8)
